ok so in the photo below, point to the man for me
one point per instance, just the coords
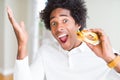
(77, 60)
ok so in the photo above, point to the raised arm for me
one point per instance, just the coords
(24, 71)
(21, 35)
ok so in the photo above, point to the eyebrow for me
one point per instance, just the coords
(60, 15)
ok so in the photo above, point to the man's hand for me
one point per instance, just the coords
(21, 35)
(104, 48)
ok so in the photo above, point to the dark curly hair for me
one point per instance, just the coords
(76, 7)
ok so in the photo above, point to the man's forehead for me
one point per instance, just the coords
(60, 12)
(61, 15)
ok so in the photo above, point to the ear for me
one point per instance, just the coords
(78, 26)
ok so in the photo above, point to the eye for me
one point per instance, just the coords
(53, 24)
(65, 20)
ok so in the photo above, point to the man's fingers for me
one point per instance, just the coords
(22, 25)
(10, 15)
(9, 11)
(12, 20)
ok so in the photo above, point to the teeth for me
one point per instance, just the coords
(62, 35)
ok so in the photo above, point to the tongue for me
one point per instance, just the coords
(63, 39)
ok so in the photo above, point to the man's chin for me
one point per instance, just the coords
(66, 48)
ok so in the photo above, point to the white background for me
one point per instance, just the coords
(103, 14)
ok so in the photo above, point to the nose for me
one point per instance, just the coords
(60, 27)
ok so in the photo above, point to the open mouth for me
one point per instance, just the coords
(63, 38)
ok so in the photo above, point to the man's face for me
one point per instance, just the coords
(63, 28)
